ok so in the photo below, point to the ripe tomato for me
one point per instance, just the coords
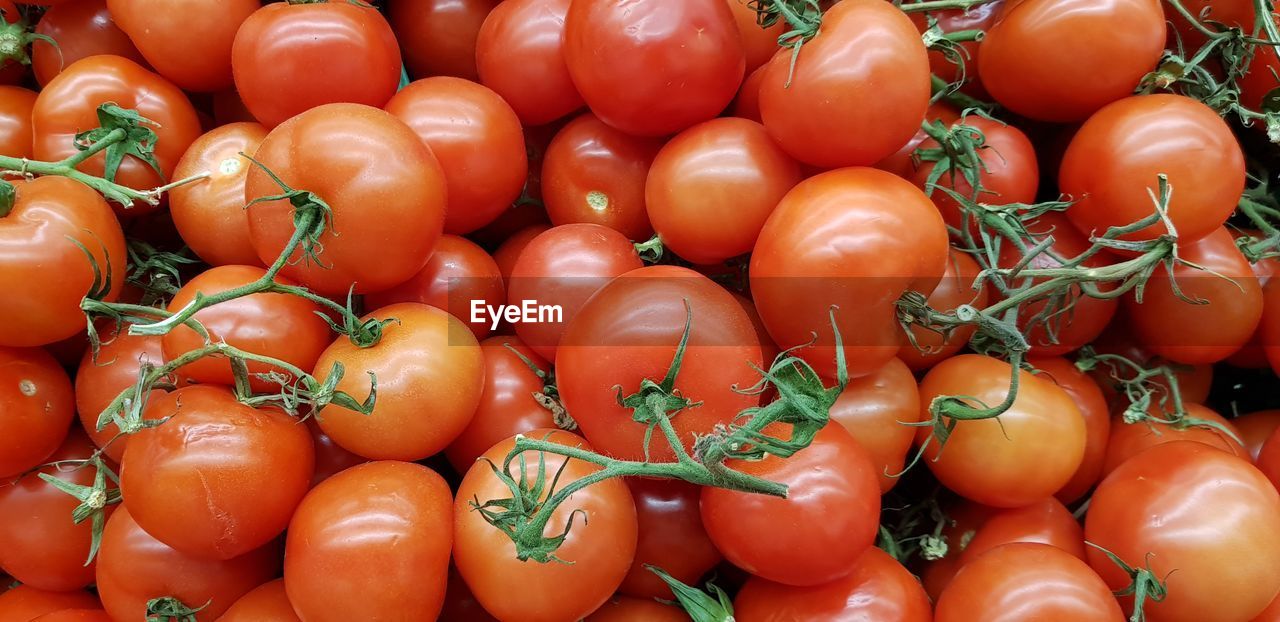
(52, 217)
(458, 273)
(1046, 522)
(16, 104)
(430, 372)
(631, 609)
(996, 585)
(980, 17)
(1130, 439)
(1041, 60)
(865, 75)
(100, 381)
(1227, 542)
(1009, 171)
(190, 43)
(671, 537)
(901, 162)
(439, 36)
(1194, 381)
(27, 603)
(1268, 460)
(520, 55)
(330, 458)
(1254, 355)
(1029, 453)
(855, 238)
(75, 615)
(955, 289)
(758, 44)
(38, 408)
(613, 48)
(1157, 134)
(1260, 77)
(747, 104)
(371, 542)
(964, 518)
(266, 602)
(509, 252)
(707, 214)
(877, 409)
(1255, 428)
(1087, 395)
(460, 605)
(877, 588)
(209, 214)
(507, 404)
(397, 207)
(82, 29)
(1269, 325)
(598, 550)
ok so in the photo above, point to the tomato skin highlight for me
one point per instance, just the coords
(994, 586)
(520, 55)
(210, 214)
(877, 588)
(38, 408)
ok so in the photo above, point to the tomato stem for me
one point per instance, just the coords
(940, 5)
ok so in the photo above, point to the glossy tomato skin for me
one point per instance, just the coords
(994, 587)
(711, 188)
(747, 104)
(955, 289)
(99, 381)
(210, 214)
(509, 251)
(878, 410)
(26, 603)
(38, 408)
(671, 537)
(856, 238)
(865, 75)
(520, 55)
(631, 609)
(371, 542)
(438, 37)
(1255, 428)
(980, 17)
(1131, 439)
(282, 68)
(833, 499)
(1040, 60)
(397, 208)
(1009, 173)
(267, 602)
(458, 272)
(1229, 540)
(1088, 397)
(877, 588)
(82, 29)
(1045, 522)
(188, 43)
(599, 549)
(612, 49)
(16, 104)
(507, 404)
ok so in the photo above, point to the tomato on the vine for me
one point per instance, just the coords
(36, 408)
(16, 104)
(209, 214)
(1088, 396)
(1130, 439)
(927, 348)
(671, 537)
(998, 583)
(758, 44)
(877, 588)
(99, 380)
(1007, 174)
(879, 410)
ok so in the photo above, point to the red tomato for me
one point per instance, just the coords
(963, 521)
(190, 44)
(671, 537)
(16, 104)
(371, 542)
(82, 29)
(460, 605)
(613, 48)
(75, 615)
(1254, 355)
(228, 108)
(267, 602)
(1087, 395)
(1268, 460)
(100, 381)
(901, 162)
(768, 349)
(1271, 613)
(1009, 172)
(1255, 428)
(282, 67)
(759, 44)
(209, 214)
(507, 404)
(878, 410)
(520, 55)
(439, 36)
(747, 104)
(1046, 522)
(997, 584)
(26, 603)
(955, 289)
(1130, 439)
(632, 609)
(509, 252)
(709, 213)
(1194, 381)
(458, 273)
(330, 458)
(980, 17)
(858, 91)
(38, 407)
(1260, 77)
(877, 588)
(1269, 325)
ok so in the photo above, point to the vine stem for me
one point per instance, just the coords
(940, 5)
(66, 167)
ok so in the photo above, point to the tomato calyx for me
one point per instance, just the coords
(917, 532)
(651, 251)
(549, 396)
(93, 499)
(1262, 209)
(170, 609)
(700, 605)
(803, 16)
(956, 154)
(156, 272)
(1144, 586)
(16, 38)
(939, 5)
(8, 196)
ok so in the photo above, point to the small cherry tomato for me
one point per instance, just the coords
(671, 537)
(996, 584)
(878, 410)
(38, 407)
(520, 55)
(877, 588)
(209, 214)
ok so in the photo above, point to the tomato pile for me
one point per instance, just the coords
(639, 310)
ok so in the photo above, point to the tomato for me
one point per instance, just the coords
(901, 162)
(758, 44)
(100, 381)
(593, 173)
(439, 36)
(282, 67)
(1268, 460)
(1229, 13)
(671, 537)
(75, 615)
(858, 91)
(266, 602)
(430, 372)
(628, 331)
(1269, 325)
(520, 55)
(1027, 454)
(1260, 77)
(38, 408)
(27, 603)
(1111, 165)
(878, 410)
(460, 605)
(209, 214)
(1254, 355)
(955, 289)
(563, 267)
(507, 403)
(1046, 522)
(134, 568)
(1088, 397)
(16, 104)
(877, 588)
(476, 138)
(228, 108)
(1271, 613)
(1194, 381)
(1227, 542)
(598, 550)
(330, 458)
(509, 252)
(979, 17)
(747, 104)
(855, 238)
(1130, 439)
(397, 207)
(615, 48)
(963, 519)
(458, 273)
(190, 43)
(1042, 59)
(709, 213)
(768, 349)
(1009, 172)
(371, 542)
(1255, 428)
(996, 585)
(632, 609)
(82, 29)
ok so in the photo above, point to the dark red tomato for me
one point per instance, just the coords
(1268, 460)
(1041, 61)
(282, 66)
(878, 410)
(877, 588)
(458, 273)
(100, 381)
(1009, 172)
(1255, 428)
(509, 252)
(901, 162)
(371, 542)
(612, 49)
(507, 403)
(1110, 168)
(593, 173)
(865, 74)
(1260, 78)
(1230, 303)
(82, 29)
(192, 46)
(671, 537)
(1271, 613)
(955, 289)
(520, 55)
(747, 104)
(996, 585)
(460, 605)
(628, 332)
(266, 603)
(134, 568)
(1087, 395)
(1046, 522)
(979, 17)
(476, 137)
(75, 615)
(228, 108)
(631, 609)
(438, 37)
(1130, 439)
(856, 238)
(16, 104)
(210, 214)
(37, 408)
(397, 207)
(1226, 542)
(331, 459)
(27, 603)
(759, 44)
(1269, 325)
(711, 188)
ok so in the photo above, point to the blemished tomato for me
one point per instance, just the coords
(877, 409)
(979, 17)
(267, 602)
(599, 549)
(1009, 172)
(209, 214)
(995, 586)
(1041, 61)
(628, 332)
(100, 381)
(75, 615)
(593, 173)
(438, 37)
(631, 609)
(507, 404)
(876, 588)
(1130, 439)
(1255, 428)
(42, 235)
(671, 537)
(1227, 542)
(855, 238)
(858, 92)
(955, 289)
(458, 273)
(1046, 522)
(371, 542)
(27, 603)
(476, 137)
(16, 104)
(612, 49)
(1111, 165)
(1087, 395)
(1028, 454)
(758, 44)
(430, 371)
(520, 55)
(747, 104)
(901, 162)
(82, 29)
(189, 42)
(331, 459)
(397, 207)
(711, 188)
(38, 407)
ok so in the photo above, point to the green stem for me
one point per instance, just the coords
(943, 89)
(940, 5)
